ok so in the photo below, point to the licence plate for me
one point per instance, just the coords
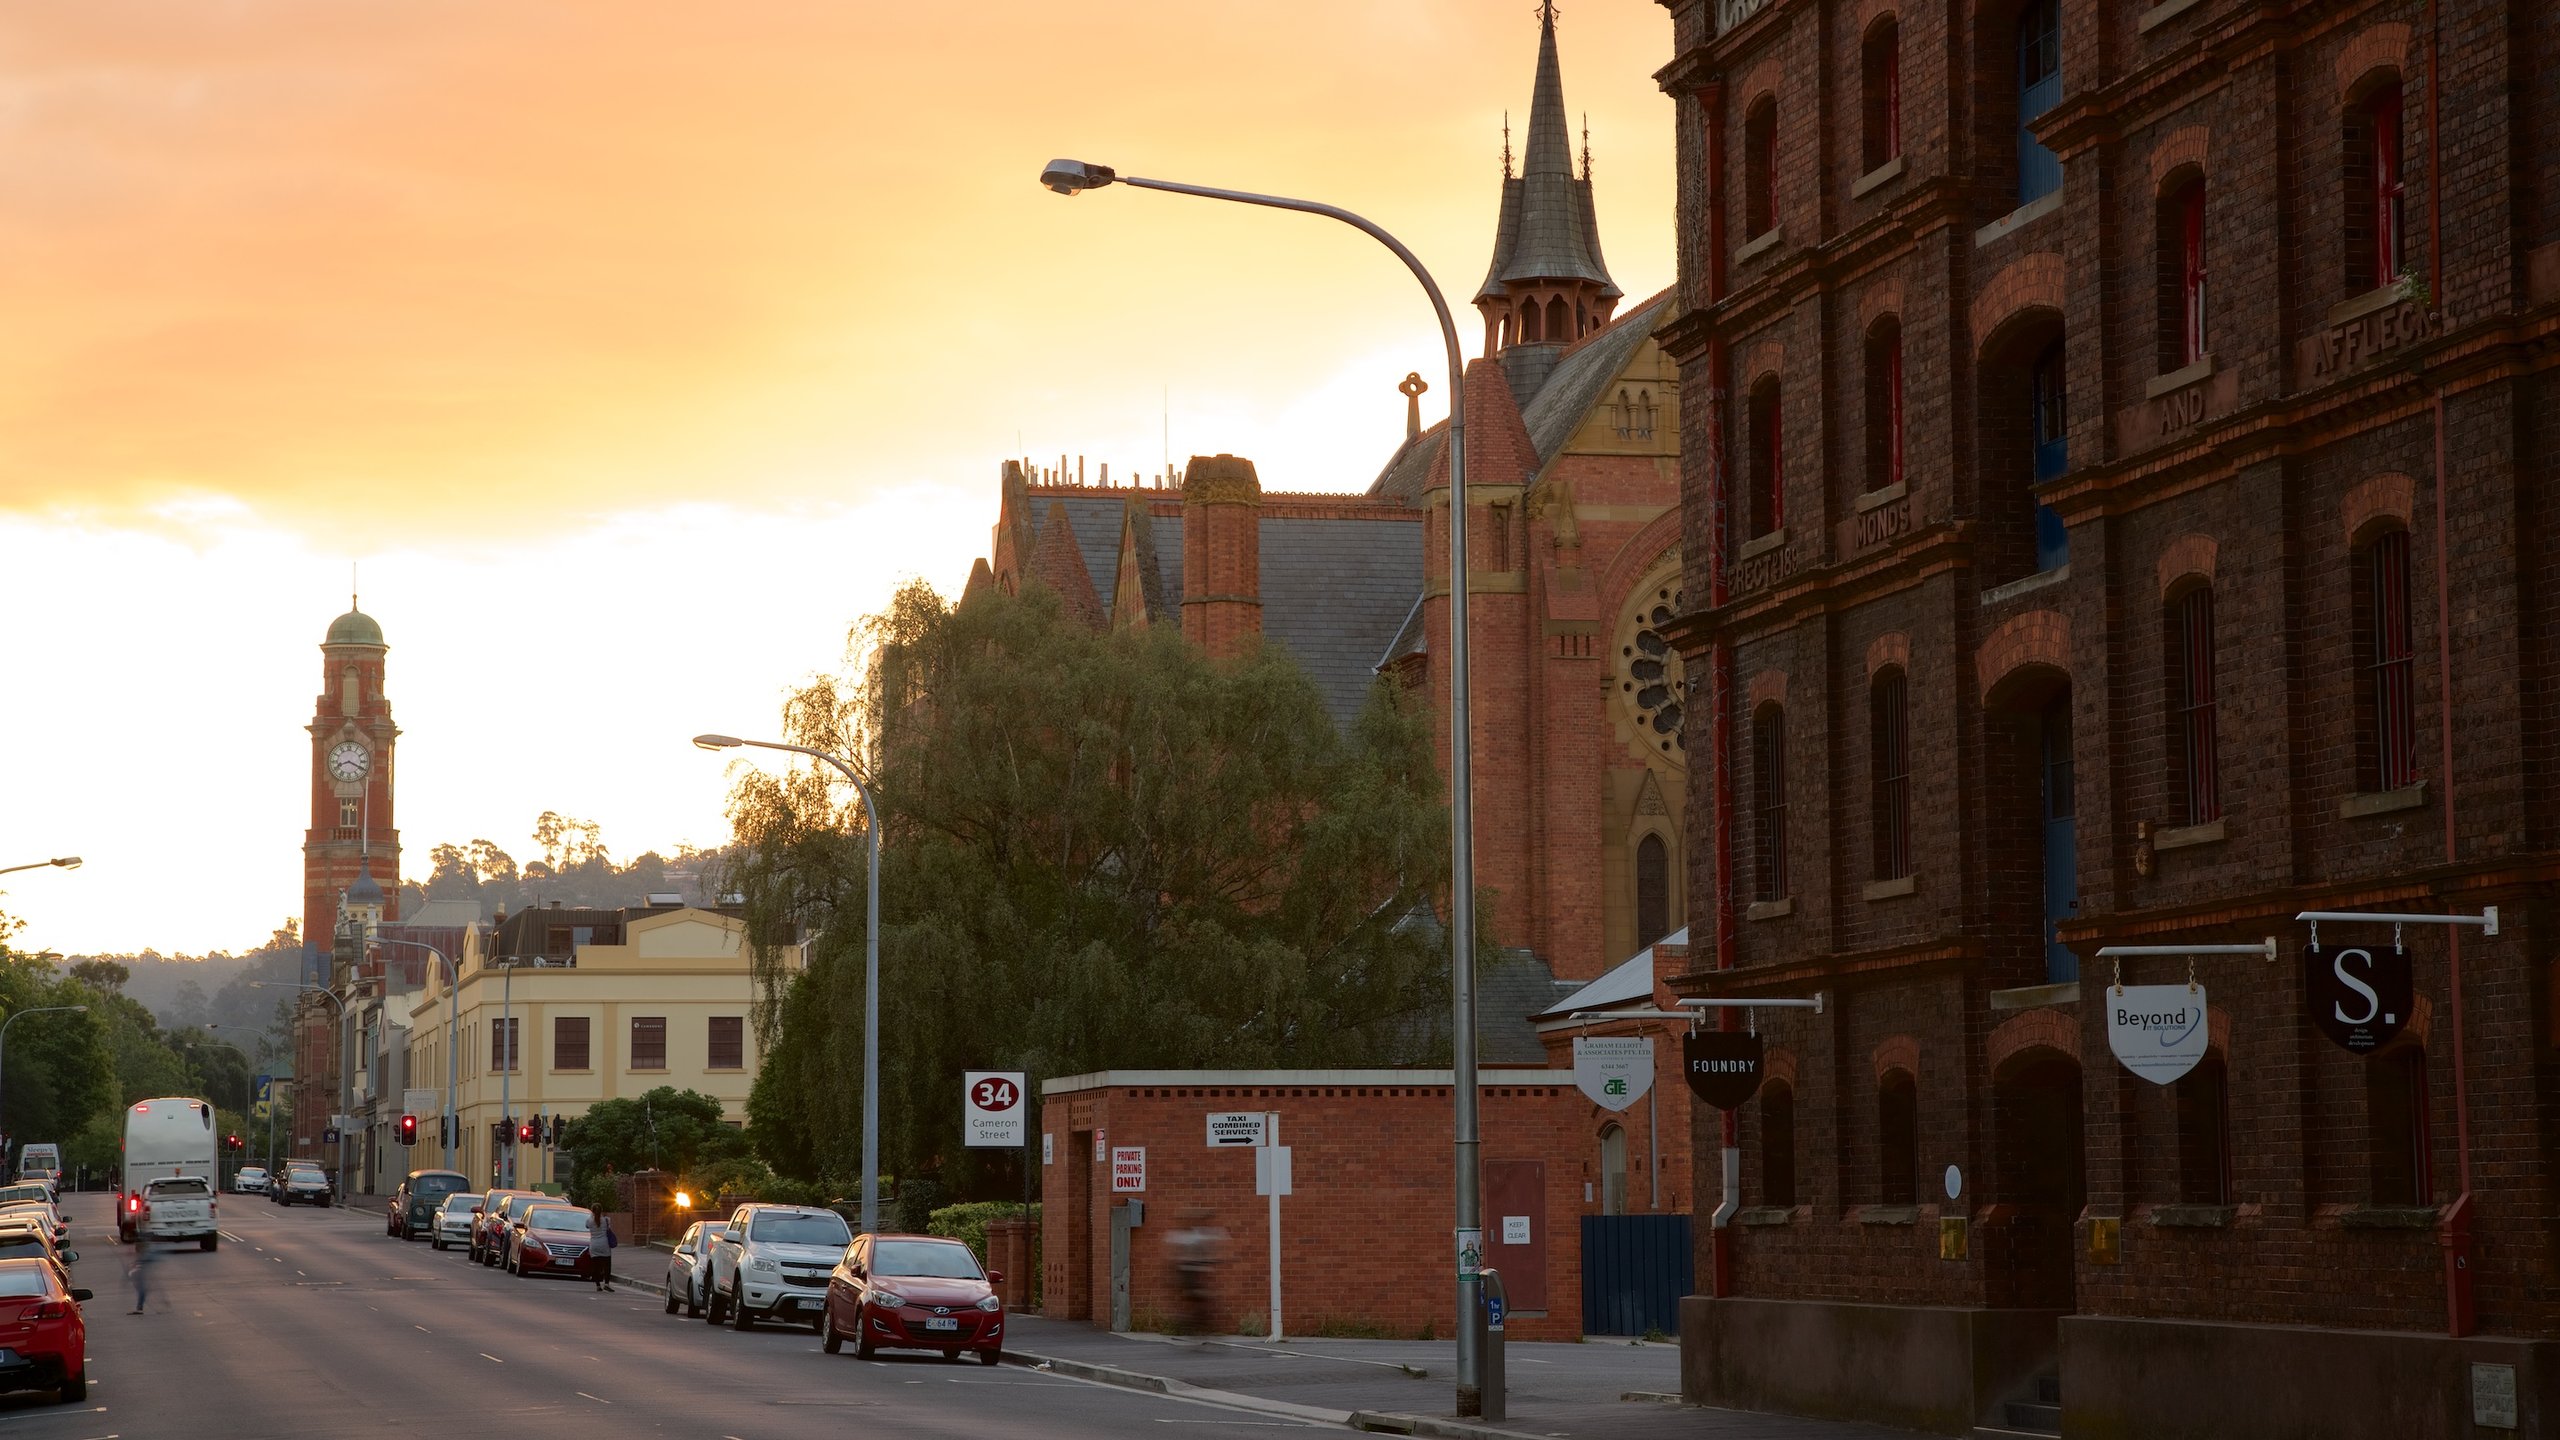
(8, 1357)
(942, 1322)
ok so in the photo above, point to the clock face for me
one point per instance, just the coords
(349, 761)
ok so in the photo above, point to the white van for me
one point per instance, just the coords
(166, 1137)
(41, 1162)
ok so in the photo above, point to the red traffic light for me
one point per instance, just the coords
(231, 1142)
(524, 1134)
(408, 1129)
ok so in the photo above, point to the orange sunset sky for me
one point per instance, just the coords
(657, 338)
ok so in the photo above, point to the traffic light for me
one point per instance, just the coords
(499, 1134)
(541, 1130)
(231, 1142)
(408, 1129)
(524, 1133)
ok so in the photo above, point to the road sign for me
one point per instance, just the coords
(329, 1136)
(1493, 1308)
(2158, 1031)
(1614, 1070)
(1128, 1169)
(1238, 1130)
(1723, 1066)
(2357, 997)
(1271, 1170)
(993, 1114)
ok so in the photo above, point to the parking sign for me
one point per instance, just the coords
(993, 1110)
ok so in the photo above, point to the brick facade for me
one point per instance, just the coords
(2329, 419)
(353, 831)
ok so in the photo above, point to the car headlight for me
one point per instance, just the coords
(990, 1303)
(764, 1267)
(888, 1300)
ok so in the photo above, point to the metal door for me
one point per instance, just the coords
(1515, 1230)
(1122, 1220)
(1635, 1268)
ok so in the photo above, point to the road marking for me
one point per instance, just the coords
(492, 1359)
(421, 1329)
(583, 1395)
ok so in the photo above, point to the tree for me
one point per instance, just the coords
(59, 1072)
(1102, 850)
(665, 1128)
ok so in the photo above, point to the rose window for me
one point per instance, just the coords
(1651, 675)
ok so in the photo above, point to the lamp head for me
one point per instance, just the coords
(1069, 176)
(718, 742)
(66, 862)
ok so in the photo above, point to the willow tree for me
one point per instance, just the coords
(1101, 850)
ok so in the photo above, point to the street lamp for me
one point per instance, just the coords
(37, 1010)
(870, 969)
(1070, 177)
(450, 1128)
(59, 862)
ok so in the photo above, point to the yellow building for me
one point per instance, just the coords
(594, 1005)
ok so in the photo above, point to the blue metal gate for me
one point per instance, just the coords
(1635, 1268)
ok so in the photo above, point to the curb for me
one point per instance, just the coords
(1391, 1422)
(1161, 1385)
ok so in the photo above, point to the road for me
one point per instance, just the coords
(314, 1323)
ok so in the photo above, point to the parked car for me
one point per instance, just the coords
(770, 1262)
(454, 1215)
(48, 1342)
(179, 1207)
(413, 1205)
(275, 1176)
(43, 1212)
(303, 1185)
(19, 1241)
(553, 1239)
(498, 1224)
(686, 1267)
(250, 1180)
(913, 1292)
(484, 1234)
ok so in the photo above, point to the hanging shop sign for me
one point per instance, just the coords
(1723, 1066)
(2359, 998)
(2158, 1031)
(1614, 1070)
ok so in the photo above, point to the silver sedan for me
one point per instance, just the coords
(689, 1271)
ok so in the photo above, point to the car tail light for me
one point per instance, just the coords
(48, 1310)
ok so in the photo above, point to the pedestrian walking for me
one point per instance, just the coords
(1198, 1248)
(602, 1250)
(145, 1257)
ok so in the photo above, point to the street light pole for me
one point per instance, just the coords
(1069, 177)
(21, 1015)
(450, 1128)
(870, 968)
(507, 1071)
(59, 862)
(325, 993)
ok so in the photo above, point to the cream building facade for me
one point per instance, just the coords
(601, 1005)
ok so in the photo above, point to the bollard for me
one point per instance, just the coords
(1493, 1397)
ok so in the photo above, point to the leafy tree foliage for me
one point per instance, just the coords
(675, 1130)
(1101, 850)
(59, 1071)
(574, 867)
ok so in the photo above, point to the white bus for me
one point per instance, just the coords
(164, 1137)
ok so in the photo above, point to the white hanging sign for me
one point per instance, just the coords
(1614, 1070)
(2158, 1031)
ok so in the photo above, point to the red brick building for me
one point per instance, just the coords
(2120, 464)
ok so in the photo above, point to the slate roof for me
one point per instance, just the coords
(1581, 375)
(1511, 992)
(1408, 471)
(1548, 229)
(1335, 592)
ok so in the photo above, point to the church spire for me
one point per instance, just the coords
(1548, 285)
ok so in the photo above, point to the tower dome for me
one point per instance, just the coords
(354, 628)
(366, 890)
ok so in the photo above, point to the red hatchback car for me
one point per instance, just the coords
(43, 1342)
(552, 1240)
(912, 1292)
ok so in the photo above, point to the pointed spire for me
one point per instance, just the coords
(1586, 147)
(1550, 147)
(1546, 248)
(1506, 144)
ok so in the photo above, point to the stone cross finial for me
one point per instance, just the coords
(1411, 388)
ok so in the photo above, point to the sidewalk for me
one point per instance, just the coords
(1405, 1386)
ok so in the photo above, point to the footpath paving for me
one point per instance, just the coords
(1600, 1388)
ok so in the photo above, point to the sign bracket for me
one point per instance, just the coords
(2487, 919)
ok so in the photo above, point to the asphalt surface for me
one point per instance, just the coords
(311, 1322)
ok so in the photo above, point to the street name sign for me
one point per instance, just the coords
(1723, 1066)
(993, 1114)
(2359, 998)
(1239, 1130)
(2157, 1031)
(1614, 1070)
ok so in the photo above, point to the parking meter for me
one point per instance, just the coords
(1494, 1396)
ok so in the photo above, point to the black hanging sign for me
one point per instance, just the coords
(2359, 998)
(1723, 1066)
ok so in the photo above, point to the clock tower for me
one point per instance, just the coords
(353, 832)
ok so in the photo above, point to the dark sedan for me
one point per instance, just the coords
(552, 1240)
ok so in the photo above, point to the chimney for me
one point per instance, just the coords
(1221, 554)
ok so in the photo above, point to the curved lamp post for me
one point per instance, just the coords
(1071, 177)
(870, 968)
(60, 862)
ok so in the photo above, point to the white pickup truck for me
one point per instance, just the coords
(771, 1262)
(178, 1208)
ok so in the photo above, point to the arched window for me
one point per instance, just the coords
(1530, 315)
(1897, 1139)
(1613, 1170)
(1880, 87)
(1559, 321)
(1760, 169)
(2039, 50)
(2192, 690)
(2387, 660)
(1889, 771)
(2376, 237)
(2395, 1088)
(2049, 414)
(1768, 500)
(2204, 1133)
(2178, 244)
(1777, 1143)
(1653, 890)
(1769, 802)
(1884, 404)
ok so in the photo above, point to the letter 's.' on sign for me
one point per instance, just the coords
(2359, 998)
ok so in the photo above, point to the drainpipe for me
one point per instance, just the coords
(1720, 658)
(2455, 1237)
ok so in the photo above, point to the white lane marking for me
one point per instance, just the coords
(421, 1329)
(583, 1395)
(1251, 1424)
(492, 1359)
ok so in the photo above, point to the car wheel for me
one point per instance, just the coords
(671, 1299)
(75, 1389)
(991, 1357)
(211, 1240)
(712, 1313)
(862, 1347)
(739, 1316)
(828, 1339)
